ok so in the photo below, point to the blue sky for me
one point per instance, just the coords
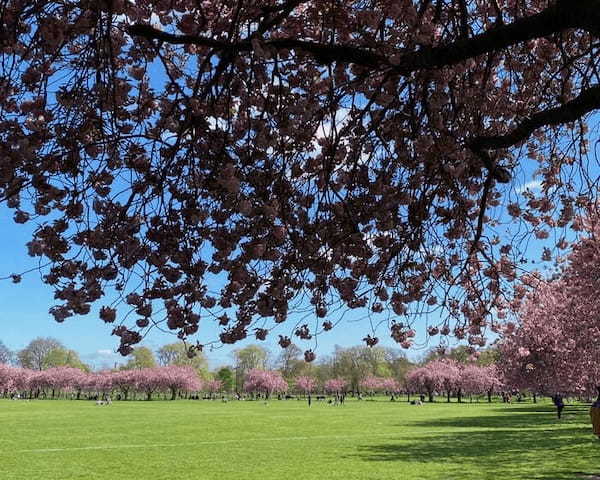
(24, 314)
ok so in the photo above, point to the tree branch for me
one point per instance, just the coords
(585, 102)
(562, 15)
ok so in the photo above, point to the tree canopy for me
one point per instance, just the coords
(178, 354)
(35, 355)
(240, 160)
(141, 357)
(555, 345)
(6, 355)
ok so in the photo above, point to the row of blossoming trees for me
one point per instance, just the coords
(73, 382)
(436, 376)
(445, 375)
(453, 378)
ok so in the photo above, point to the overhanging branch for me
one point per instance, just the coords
(561, 16)
(587, 101)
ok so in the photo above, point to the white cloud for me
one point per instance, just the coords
(107, 353)
(531, 186)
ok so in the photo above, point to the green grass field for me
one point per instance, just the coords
(64, 440)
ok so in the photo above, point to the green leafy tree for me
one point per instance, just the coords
(177, 354)
(356, 363)
(226, 376)
(247, 358)
(489, 356)
(398, 364)
(290, 362)
(462, 354)
(141, 357)
(63, 357)
(34, 355)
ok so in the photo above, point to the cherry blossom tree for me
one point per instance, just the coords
(476, 380)
(371, 384)
(553, 349)
(148, 381)
(265, 382)
(391, 386)
(124, 381)
(7, 379)
(336, 386)
(81, 382)
(306, 384)
(59, 379)
(175, 379)
(437, 375)
(362, 155)
(102, 383)
(212, 387)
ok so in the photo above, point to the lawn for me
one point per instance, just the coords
(204, 440)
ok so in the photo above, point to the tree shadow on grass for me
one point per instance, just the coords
(508, 446)
(543, 408)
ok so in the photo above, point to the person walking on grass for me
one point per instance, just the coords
(595, 415)
(559, 404)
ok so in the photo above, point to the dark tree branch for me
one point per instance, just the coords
(561, 16)
(322, 52)
(587, 101)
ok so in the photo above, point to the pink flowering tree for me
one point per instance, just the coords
(8, 379)
(292, 148)
(390, 386)
(449, 372)
(371, 384)
(39, 382)
(101, 383)
(335, 386)
(553, 349)
(61, 379)
(176, 379)
(212, 387)
(306, 384)
(149, 381)
(125, 382)
(266, 382)
(476, 380)
(424, 380)
(440, 375)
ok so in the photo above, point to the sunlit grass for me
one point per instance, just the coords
(287, 440)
